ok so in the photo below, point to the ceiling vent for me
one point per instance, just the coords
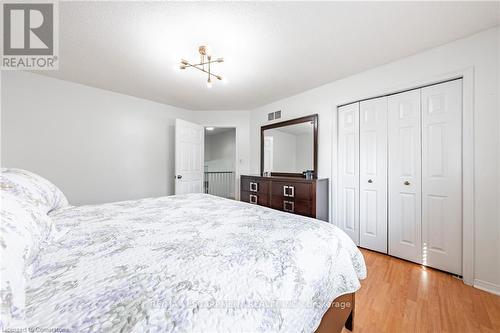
(274, 115)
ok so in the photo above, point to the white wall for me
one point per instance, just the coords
(479, 51)
(240, 120)
(220, 151)
(96, 145)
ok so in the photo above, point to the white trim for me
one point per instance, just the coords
(333, 177)
(487, 286)
(467, 75)
(468, 229)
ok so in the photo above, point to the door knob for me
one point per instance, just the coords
(406, 182)
(179, 176)
(370, 181)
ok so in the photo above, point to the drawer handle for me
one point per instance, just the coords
(406, 183)
(253, 198)
(288, 191)
(291, 204)
(254, 187)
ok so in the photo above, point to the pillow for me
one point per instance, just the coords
(34, 189)
(25, 201)
(23, 230)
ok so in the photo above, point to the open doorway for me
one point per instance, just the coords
(220, 159)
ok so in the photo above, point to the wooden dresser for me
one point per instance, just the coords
(290, 194)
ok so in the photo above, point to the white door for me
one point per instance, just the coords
(189, 149)
(348, 169)
(404, 175)
(442, 176)
(373, 174)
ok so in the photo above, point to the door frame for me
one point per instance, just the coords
(468, 223)
(236, 164)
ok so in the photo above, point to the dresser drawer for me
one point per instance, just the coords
(291, 205)
(308, 197)
(255, 185)
(254, 198)
(301, 191)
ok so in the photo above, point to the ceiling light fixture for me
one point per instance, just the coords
(209, 128)
(205, 62)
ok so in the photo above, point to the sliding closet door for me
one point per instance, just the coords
(373, 174)
(442, 176)
(348, 170)
(405, 176)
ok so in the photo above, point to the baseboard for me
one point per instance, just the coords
(487, 286)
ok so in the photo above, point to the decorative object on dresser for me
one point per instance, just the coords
(308, 197)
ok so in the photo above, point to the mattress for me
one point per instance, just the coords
(189, 263)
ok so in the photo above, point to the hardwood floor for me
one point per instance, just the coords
(399, 296)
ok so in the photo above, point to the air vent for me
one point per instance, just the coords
(274, 115)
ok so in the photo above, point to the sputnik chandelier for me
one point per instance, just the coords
(204, 64)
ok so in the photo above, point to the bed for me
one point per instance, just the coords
(187, 263)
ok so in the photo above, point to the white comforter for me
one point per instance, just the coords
(190, 263)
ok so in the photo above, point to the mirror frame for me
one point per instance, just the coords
(311, 118)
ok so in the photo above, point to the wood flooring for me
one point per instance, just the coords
(400, 296)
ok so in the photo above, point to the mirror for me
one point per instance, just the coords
(289, 148)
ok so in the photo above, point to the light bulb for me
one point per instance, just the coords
(209, 84)
(208, 50)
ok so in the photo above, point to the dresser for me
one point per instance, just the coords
(308, 197)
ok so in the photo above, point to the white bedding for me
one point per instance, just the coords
(190, 263)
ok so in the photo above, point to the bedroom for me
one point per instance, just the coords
(346, 224)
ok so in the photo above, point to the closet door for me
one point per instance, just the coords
(442, 176)
(405, 176)
(373, 174)
(348, 171)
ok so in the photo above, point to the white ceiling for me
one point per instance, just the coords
(272, 49)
